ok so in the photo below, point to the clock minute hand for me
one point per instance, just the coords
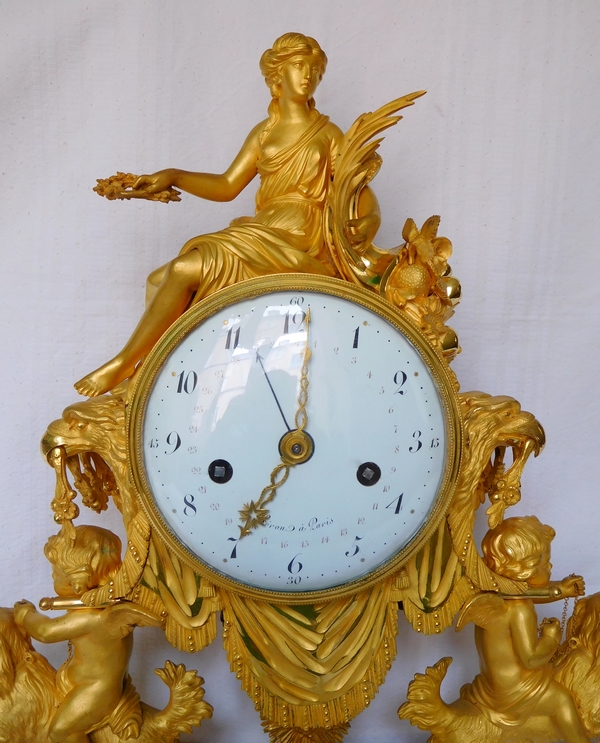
(301, 418)
(259, 358)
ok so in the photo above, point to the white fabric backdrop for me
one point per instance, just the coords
(504, 147)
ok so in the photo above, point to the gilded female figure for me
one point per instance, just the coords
(293, 151)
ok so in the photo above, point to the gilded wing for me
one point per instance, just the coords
(483, 610)
(357, 164)
(123, 618)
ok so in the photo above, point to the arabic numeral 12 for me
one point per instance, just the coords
(296, 320)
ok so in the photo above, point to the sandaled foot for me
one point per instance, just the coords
(104, 378)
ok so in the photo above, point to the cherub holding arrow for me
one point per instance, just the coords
(94, 678)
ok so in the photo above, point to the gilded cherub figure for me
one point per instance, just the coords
(294, 152)
(516, 675)
(516, 686)
(93, 681)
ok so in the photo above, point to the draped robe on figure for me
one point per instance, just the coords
(507, 705)
(286, 233)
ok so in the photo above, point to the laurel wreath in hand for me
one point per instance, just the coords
(119, 186)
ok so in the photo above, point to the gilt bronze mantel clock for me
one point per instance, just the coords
(291, 452)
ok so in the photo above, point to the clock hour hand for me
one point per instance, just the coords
(259, 358)
(296, 447)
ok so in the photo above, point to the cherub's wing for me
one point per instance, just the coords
(483, 610)
(123, 618)
(356, 165)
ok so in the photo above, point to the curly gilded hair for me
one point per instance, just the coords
(95, 549)
(284, 48)
(271, 62)
(514, 547)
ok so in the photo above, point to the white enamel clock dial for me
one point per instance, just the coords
(218, 402)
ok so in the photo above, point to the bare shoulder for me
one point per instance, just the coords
(251, 146)
(256, 131)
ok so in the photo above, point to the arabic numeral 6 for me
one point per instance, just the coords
(295, 566)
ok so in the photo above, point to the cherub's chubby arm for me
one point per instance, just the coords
(73, 624)
(214, 187)
(533, 651)
(569, 587)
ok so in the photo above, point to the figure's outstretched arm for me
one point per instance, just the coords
(533, 651)
(73, 624)
(214, 187)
